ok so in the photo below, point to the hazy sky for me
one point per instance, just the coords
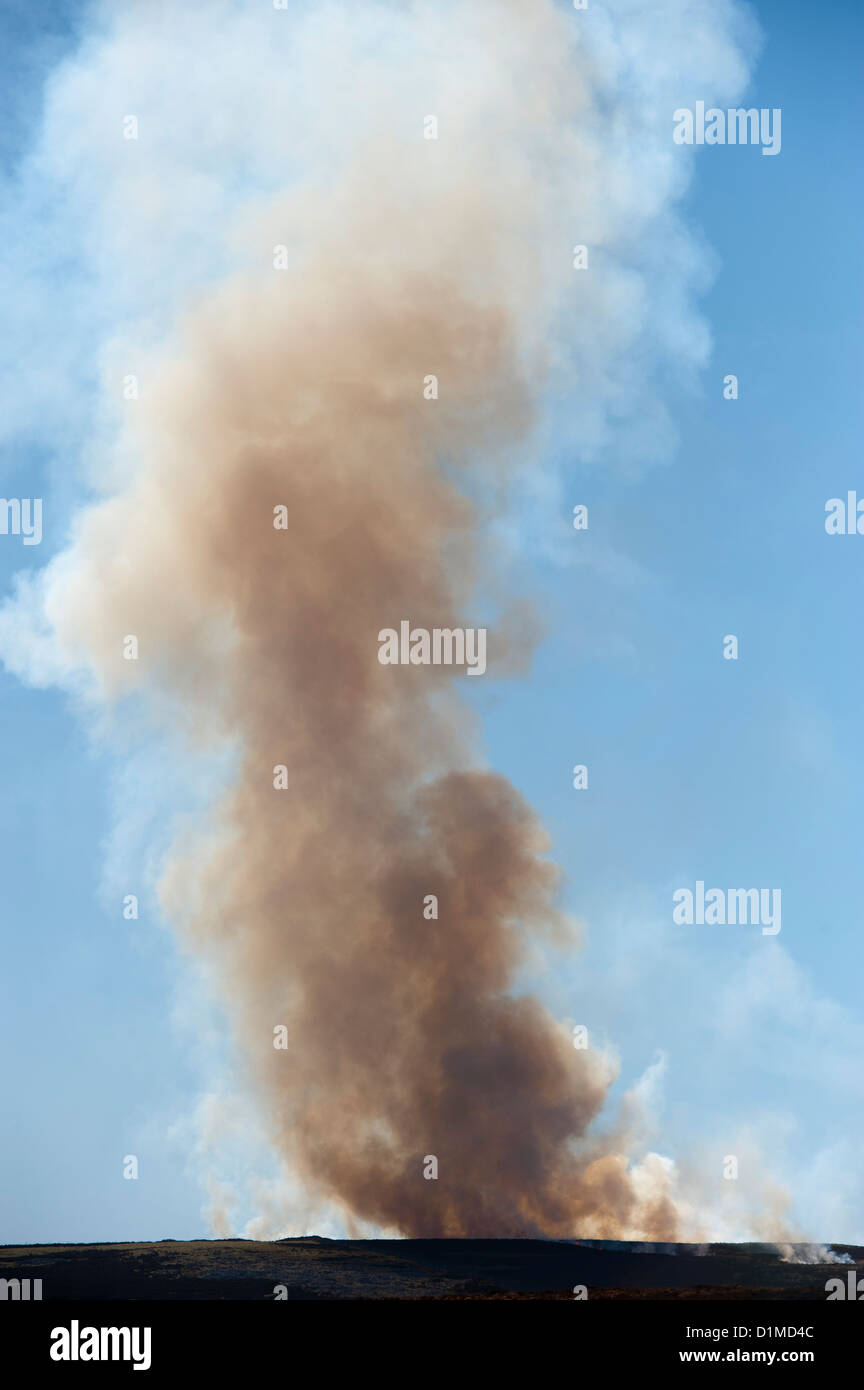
(742, 773)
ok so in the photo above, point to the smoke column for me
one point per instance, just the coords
(303, 388)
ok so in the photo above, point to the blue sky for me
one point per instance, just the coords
(738, 773)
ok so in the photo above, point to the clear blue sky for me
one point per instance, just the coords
(740, 774)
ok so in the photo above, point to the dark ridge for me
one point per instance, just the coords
(318, 1268)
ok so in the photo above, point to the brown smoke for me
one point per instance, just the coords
(403, 1040)
(304, 389)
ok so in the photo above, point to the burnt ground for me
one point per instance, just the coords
(314, 1268)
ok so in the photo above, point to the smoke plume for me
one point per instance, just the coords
(354, 259)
